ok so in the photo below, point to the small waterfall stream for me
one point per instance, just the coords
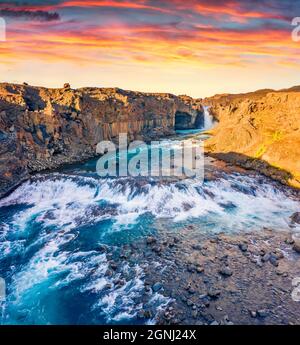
(208, 119)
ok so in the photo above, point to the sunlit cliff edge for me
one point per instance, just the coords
(259, 130)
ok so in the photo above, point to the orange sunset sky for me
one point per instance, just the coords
(189, 47)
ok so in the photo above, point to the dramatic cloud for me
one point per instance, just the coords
(152, 33)
(30, 15)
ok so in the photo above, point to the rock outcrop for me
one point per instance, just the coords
(259, 130)
(43, 128)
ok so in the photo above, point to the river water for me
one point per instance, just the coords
(60, 230)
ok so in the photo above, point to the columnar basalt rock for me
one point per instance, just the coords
(43, 128)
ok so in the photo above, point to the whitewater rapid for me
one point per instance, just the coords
(235, 201)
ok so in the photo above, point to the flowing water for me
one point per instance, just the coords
(59, 231)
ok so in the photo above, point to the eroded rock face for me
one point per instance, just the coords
(43, 128)
(259, 130)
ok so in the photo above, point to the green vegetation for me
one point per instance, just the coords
(262, 149)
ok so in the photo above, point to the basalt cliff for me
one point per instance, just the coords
(259, 130)
(42, 128)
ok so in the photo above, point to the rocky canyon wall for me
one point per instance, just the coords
(43, 128)
(259, 130)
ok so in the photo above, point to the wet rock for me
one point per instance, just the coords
(183, 299)
(214, 323)
(289, 240)
(191, 290)
(203, 296)
(189, 303)
(120, 282)
(157, 249)
(125, 254)
(266, 257)
(148, 314)
(229, 323)
(296, 245)
(113, 265)
(165, 242)
(191, 268)
(262, 313)
(147, 289)
(144, 314)
(225, 271)
(262, 252)
(194, 314)
(108, 286)
(140, 314)
(224, 258)
(295, 218)
(226, 321)
(206, 280)
(199, 269)
(108, 273)
(101, 248)
(243, 247)
(151, 240)
(214, 293)
(169, 313)
(259, 263)
(134, 246)
(156, 287)
(278, 254)
(176, 239)
(280, 272)
(273, 260)
(197, 246)
(171, 244)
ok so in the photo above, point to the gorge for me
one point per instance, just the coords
(147, 250)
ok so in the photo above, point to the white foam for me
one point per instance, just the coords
(119, 303)
(66, 202)
(208, 119)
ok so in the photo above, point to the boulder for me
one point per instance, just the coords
(296, 245)
(295, 218)
(67, 86)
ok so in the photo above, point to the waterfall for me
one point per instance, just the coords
(208, 119)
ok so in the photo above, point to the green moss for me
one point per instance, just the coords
(262, 149)
(277, 135)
